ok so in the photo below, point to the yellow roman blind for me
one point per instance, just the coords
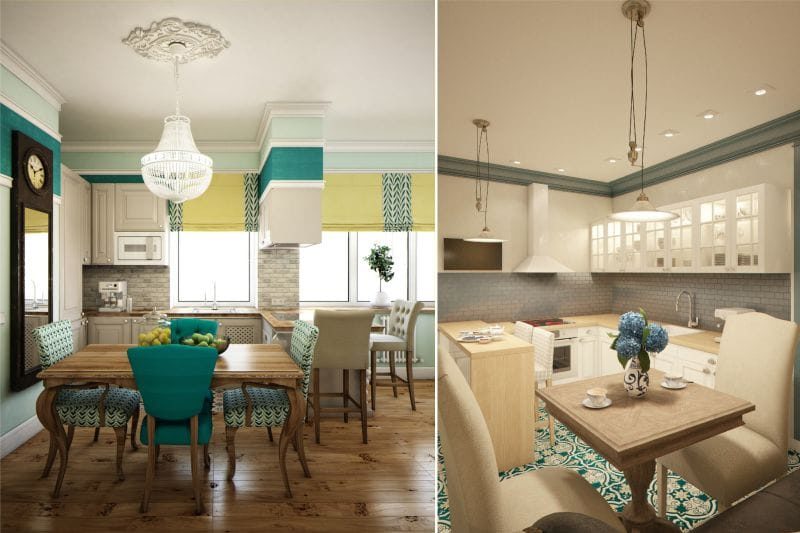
(36, 221)
(356, 202)
(220, 208)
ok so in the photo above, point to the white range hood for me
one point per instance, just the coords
(538, 259)
(291, 214)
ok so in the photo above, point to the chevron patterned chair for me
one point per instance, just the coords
(88, 405)
(255, 405)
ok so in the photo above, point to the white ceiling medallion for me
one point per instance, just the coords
(198, 40)
(176, 170)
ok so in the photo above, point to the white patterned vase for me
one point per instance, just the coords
(635, 379)
(381, 299)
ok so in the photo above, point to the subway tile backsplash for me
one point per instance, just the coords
(279, 278)
(504, 296)
(147, 285)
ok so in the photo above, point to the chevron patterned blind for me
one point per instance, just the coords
(251, 201)
(396, 202)
(175, 216)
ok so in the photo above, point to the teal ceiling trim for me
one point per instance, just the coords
(26, 98)
(780, 131)
(465, 168)
(112, 178)
(11, 121)
(379, 161)
(291, 163)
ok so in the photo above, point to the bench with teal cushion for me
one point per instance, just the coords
(181, 328)
(174, 382)
(86, 405)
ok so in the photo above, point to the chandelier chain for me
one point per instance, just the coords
(177, 87)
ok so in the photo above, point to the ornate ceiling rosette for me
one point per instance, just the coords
(155, 42)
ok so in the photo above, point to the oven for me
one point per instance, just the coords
(565, 355)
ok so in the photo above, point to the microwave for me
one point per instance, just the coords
(140, 248)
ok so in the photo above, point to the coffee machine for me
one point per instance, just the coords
(114, 295)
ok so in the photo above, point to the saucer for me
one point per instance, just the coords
(587, 403)
(671, 387)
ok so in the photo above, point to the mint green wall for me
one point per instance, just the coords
(376, 161)
(10, 121)
(426, 339)
(28, 99)
(128, 161)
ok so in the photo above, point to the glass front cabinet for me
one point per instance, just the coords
(745, 230)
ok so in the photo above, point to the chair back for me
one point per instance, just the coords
(543, 345)
(304, 340)
(756, 358)
(343, 338)
(523, 331)
(54, 341)
(173, 380)
(186, 327)
(473, 484)
(403, 320)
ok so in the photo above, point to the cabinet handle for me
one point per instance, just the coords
(125, 321)
(108, 260)
(712, 361)
(706, 370)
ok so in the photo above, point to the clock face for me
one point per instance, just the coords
(36, 171)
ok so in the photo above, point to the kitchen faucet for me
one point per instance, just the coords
(214, 295)
(694, 321)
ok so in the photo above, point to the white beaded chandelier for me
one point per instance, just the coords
(176, 170)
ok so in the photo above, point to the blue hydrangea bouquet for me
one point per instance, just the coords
(638, 338)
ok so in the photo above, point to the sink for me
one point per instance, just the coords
(677, 331)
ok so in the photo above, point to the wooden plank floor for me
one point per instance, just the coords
(386, 485)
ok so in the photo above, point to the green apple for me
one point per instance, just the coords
(203, 343)
(188, 342)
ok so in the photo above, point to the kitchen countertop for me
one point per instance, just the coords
(703, 340)
(509, 344)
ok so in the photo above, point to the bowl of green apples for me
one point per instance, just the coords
(207, 340)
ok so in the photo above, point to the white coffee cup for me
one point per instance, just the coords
(673, 380)
(597, 396)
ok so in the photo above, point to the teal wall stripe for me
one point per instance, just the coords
(465, 168)
(291, 163)
(11, 121)
(112, 178)
(796, 299)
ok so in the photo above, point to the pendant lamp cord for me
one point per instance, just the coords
(177, 87)
(481, 195)
(632, 132)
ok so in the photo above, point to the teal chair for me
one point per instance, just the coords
(258, 406)
(186, 327)
(174, 383)
(88, 405)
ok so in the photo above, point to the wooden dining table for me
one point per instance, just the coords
(265, 364)
(633, 432)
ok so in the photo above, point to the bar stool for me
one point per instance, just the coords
(342, 344)
(399, 337)
(543, 345)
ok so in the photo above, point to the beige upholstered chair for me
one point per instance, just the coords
(479, 502)
(343, 343)
(543, 345)
(399, 337)
(756, 357)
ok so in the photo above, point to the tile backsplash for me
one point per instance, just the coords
(503, 296)
(147, 285)
(279, 277)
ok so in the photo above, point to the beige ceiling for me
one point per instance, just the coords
(374, 61)
(553, 77)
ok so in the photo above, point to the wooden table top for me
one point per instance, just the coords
(110, 361)
(509, 344)
(633, 430)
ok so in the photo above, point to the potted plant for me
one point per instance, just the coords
(380, 260)
(637, 339)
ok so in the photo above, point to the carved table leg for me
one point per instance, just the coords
(46, 411)
(639, 515)
(290, 428)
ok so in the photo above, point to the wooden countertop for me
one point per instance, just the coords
(505, 346)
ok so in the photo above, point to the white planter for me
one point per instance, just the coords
(381, 299)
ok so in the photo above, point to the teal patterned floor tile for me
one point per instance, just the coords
(687, 506)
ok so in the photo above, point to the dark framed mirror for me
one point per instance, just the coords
(31, 255)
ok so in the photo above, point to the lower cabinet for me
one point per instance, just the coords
(110, 330)
(608, 362)
(587, 352)
(240, 330)
(80, 333)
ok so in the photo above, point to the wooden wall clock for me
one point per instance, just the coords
(31, 253)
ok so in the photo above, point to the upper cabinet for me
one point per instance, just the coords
(75, 250)
(102, 223)
(746, 230)
(138, 209)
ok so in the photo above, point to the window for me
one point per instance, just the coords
(204, 260)
(334, 271)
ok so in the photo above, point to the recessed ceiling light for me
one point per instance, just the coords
(763, 89)
(515, 162)
(612, 160)
(561, 169)
(708, 114)
(670, 133)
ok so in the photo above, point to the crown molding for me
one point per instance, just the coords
(465, 168)
(380, 146)
(6, 181)
(21, 69)
(9, 103)
(287, 109)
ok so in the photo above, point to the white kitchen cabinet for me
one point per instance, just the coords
(138, 209)
(240, 330)
(598, 246)
(608, 363)
(79, 332)
(102, 223)
(110, 330)
(73, 234)
(588, 355)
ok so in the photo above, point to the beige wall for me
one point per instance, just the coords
(774, 166)
(570, 216)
